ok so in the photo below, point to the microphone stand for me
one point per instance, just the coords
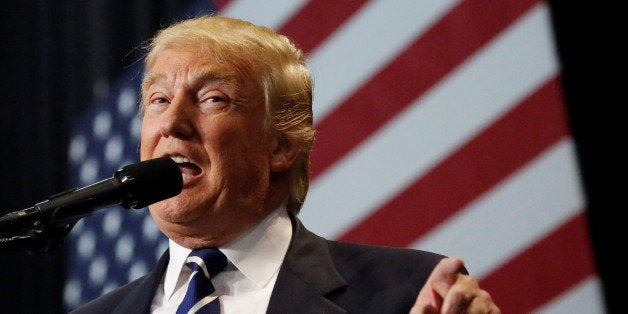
(43, 236)
(52, 225)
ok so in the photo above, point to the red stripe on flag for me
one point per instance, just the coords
(448, 43)
(543, 271)
(517, 137)
(317, 20)
(221, 4)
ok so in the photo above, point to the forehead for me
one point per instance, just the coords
(192, 64)
(195, 67)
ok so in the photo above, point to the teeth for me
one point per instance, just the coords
(185, 175)
(179, 159)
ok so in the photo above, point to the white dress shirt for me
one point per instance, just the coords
(246, 284)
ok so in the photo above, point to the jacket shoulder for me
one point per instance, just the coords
(355, 259)
(380, 279)
(106, 303)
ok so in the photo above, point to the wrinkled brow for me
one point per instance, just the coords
(212, 74)
(206, 74)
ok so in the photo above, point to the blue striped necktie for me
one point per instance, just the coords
(205, 264)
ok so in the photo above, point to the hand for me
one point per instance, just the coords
(449, 291)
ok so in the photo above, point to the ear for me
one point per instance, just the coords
(284, 153)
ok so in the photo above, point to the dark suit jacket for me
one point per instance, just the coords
(317, 276)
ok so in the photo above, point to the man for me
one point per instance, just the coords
(231, 103)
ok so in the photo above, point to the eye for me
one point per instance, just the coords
(159, 100)
(157, 103)
(216, 99)
(214, 102)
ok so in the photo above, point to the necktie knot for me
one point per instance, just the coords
(205, 263)
(208, 260)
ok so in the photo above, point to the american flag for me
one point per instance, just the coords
(442, 126)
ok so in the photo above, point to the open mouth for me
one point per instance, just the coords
(188, 168)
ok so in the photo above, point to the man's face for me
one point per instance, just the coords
(196, 114)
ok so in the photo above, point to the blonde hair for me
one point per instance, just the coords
(273, 61)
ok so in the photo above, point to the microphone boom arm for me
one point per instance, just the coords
(48, 223)
(48, 231)
(40, 238)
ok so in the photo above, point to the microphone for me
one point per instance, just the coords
(133, 186)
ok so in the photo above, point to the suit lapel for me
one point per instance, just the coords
(307, 276)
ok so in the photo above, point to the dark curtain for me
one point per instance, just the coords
(591, 54)
(57, 54)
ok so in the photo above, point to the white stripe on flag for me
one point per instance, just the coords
(435, 125)
(513, 215)
(270, 13)
(366, 43)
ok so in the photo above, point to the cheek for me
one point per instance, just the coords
(148, 140)
(241, 147)
(240, 152)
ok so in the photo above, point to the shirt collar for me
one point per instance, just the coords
(267, 241)
(178, 255)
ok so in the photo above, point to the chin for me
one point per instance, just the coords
(169, 210)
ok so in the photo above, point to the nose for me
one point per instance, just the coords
(177, 120)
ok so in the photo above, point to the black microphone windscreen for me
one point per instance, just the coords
(150, 181)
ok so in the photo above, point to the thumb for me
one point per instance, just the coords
(444, 275)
